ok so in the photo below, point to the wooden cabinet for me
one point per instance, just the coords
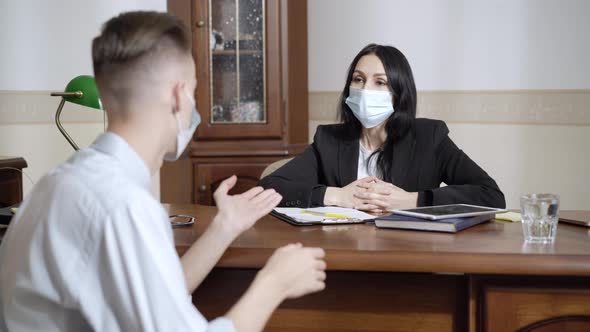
(210, 174)
(251, 65)
(11, 180)
(534, 304)
(352, 301)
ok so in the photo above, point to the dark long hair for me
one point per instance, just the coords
(403, 89)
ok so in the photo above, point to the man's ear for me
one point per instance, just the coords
(177, 94)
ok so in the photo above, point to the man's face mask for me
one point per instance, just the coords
(184, 135)
(369, 106)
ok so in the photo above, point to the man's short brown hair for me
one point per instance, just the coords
(132, 36)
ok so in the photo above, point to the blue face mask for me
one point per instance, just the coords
(370, 107)
(184, 135)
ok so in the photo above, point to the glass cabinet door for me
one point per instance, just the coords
(237, 62)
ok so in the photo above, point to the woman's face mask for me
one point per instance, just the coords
(370, 107)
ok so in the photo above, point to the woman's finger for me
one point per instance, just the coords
(371, 196)
(367, 207)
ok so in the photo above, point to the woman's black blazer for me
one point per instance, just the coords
(421, 162)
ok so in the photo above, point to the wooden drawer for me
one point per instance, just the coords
(537, 306)
(352, 301)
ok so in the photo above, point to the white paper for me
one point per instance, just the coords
(306, 214)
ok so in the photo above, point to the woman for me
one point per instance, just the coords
(380, 157)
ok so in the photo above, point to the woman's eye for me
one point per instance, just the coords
(358, 79)
(381, 83)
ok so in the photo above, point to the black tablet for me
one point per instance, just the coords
(448, 211)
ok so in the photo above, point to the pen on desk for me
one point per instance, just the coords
(329, 215)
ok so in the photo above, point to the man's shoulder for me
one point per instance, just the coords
(94, 181)
(84, 208)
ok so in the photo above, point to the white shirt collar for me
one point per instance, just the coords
(114, 145)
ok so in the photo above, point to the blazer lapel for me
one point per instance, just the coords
(403, 156)
(348, 156)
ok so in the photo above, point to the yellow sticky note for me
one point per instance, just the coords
(509, 217)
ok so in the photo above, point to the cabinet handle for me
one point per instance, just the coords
(200, 24)
(203, 188)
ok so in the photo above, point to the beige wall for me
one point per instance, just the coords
(457, 44)
(527, 158)
(27, 130)
(42, 145)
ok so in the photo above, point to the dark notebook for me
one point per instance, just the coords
(451, 225)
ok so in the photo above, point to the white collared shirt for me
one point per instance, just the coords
(91, 249)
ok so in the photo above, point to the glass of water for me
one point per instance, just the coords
(540, 213)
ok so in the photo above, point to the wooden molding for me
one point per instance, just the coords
(36, 107)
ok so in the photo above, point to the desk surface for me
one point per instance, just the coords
(489, 248)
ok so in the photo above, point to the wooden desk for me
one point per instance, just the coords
(481, 279)
(11, 180)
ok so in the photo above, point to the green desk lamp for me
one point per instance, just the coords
(81, 90)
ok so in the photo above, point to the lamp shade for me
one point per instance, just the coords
(89, 92)
(81, 90)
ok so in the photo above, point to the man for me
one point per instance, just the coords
(91, 249)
